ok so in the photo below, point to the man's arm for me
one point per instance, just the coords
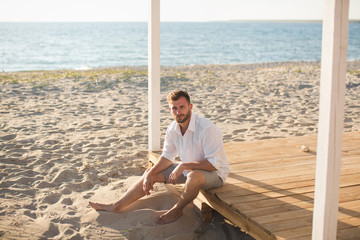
(159, 166)
(201, 165)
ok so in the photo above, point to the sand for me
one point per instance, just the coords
(67, 137)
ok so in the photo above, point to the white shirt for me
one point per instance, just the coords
(202, 140)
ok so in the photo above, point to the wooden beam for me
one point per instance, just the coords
(154, 75)
(331, 114)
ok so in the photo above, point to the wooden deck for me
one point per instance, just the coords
(270, 190)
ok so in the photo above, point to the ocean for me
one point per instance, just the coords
(50, 46)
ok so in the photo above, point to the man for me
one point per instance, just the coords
(198, 143)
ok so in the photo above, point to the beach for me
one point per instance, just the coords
(68, 137)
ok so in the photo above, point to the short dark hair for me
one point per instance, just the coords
(177, 94)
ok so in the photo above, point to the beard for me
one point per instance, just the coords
(184, 117)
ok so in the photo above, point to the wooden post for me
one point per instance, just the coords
(332, 94)
(154, 75)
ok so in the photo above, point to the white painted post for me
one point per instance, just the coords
(154, 75)
(332, 94)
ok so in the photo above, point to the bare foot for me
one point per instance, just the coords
(102, 207)
(170, 216)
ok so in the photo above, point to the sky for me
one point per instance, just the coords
(171, 10)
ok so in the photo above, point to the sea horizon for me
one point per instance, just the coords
(31, 46)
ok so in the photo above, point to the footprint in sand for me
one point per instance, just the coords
(51, 142)
(43, 184)
(67, 201)
(235, 132)
(8, 137)
(52, 231)
(65, 176)
(66, 191)
(52, 198)
(71, 213)
(81, 186)
(88, 195)
(30, 214)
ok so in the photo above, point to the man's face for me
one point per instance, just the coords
(180, 109)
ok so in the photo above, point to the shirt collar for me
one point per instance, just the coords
(192, 122)
(191, 127)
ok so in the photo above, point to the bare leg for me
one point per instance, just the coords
(132, 194)
(195, 180)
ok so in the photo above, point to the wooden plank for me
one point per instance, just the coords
(349, 222)
(283, 171)
(342, 234)
(154, 75)
(352, 151)
(286, 172)
(346, 194)
(286, 207)
(261, 144)
(295, 233)
(255, 153)
(286, 160)
(353, 204)
(299, 223)
(290, 160)
(273, 159)
(267, 195)
(266, 156)
(278, 217)
(269, 202)
(265, 145)
(256, 193)
(349, 160)
(291, 224)
(344, 221)
(349, 233)
(243, 189)
(303, 233)
(239, 190)
(331, 114)
(350, 193)
(263, 180)
(273, 163)
(237, 179)
(287, 224)
(272, 206)
(346, 209)
(294, 214)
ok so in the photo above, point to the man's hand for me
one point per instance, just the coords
(148, 182)
(176, 173)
